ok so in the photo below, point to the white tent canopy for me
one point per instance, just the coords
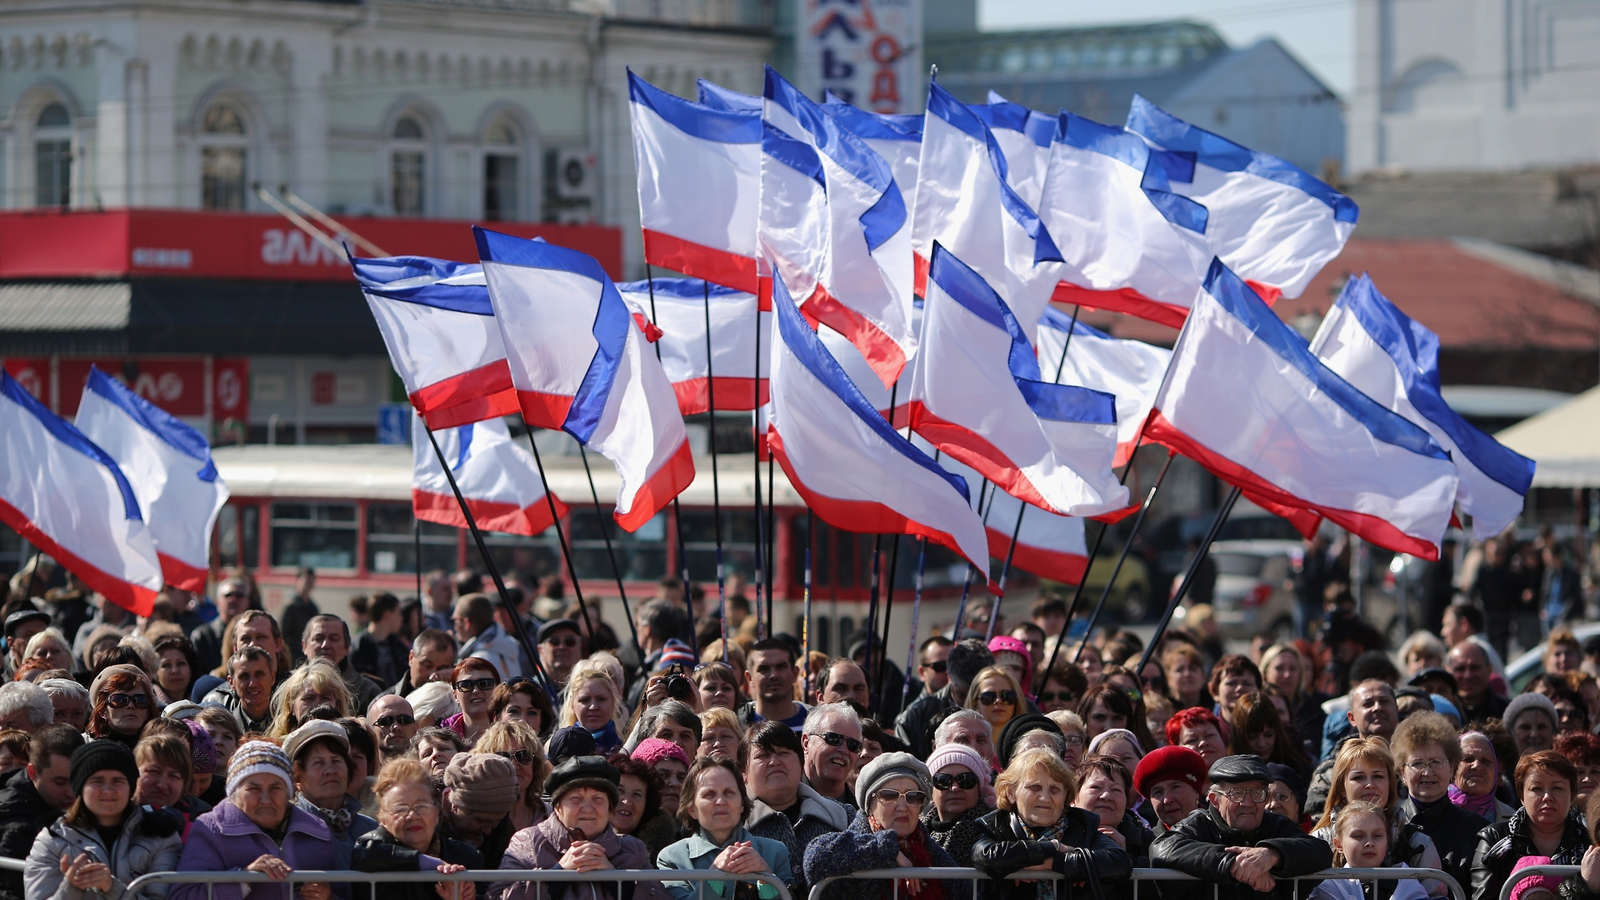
(1564, 440)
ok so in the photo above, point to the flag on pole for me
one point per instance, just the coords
(1369, 342)
(715, 96)
(834, 225)
(1271, 223)
(680, 310)
(1129, 370)
(169, 466)
(978, 395)
(1024, 137)
(1049, 546)
(1128, 243)
(498, 479)
(965, 203)
(896, 138)
(699, 185)
(1247, 399)
(580, 364)
(67, 497)
(847, 463)
(435, 318)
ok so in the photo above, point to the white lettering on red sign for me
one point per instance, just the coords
(162, 258)
(289, 247)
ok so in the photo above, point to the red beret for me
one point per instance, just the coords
(1169, 764)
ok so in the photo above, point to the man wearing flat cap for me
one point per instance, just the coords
(1245, 851)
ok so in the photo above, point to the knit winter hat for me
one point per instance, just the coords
(1523, 703)
(98, 756)
(205, 749)
(961, 754)
(676, 652)
(1534, 883)
(482, 782)
(887, 766)
(653, 750)
(1005, 742)
(256, 758)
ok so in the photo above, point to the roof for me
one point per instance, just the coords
(54, 306)
(1541, 209)
(1563, 440)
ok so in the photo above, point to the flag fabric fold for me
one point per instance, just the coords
(437, 323)
(1394, 360)
(580, 363)
(1049, 546)
(896, 138)
(1247, 399)
(1024, 137)
(699, 170)
(680, 316)
(977, 393)
(855, 471)
(66, 496)
(169, 466)
(1129, 370)
(498, 479)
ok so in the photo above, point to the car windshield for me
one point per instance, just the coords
(1244, 564)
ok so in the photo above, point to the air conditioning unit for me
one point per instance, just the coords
(571, 186)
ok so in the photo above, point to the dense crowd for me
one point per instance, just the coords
(212, 736)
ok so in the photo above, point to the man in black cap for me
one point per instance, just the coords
(560, 648)
(20, 627)
(1235, 843)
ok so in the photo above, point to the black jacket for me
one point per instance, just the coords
(914, 726)
(23, 814)
(1003, 847)
(1197, 846)
(1454, 832)
(379, 851)
(1139, 837)
(1500, 846)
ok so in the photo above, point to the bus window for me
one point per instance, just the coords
(320, 535)
(642, 555)
(239, 535)
(819, 637)
(14, 551)
(738, 543)
(531, 557)
(847, 627)
(392, 548)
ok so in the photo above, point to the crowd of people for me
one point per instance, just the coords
(212, 736)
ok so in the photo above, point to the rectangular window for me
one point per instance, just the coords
(642, 555)
(408, 186)
(500, 188)
(222, 177)
(738, 544)
(239, 535)
(53, 175)
(320, 535)
(392, 548)
(531, 557)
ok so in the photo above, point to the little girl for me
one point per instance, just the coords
(1361, 841)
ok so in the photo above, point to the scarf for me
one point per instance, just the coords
(915, 847)
(606, 739)
(1484, 805)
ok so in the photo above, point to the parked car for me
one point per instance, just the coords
(1530, 664)
(1252, 596)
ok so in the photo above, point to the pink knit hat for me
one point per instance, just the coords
(1534, 883)
(1010, 644)
(961, 754)
(653, 750)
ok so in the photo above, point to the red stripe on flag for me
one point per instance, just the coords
(669, 481)
(442, 509)
(1052, 564)
(134, 598)
(1267, 292)
(967, 446)
(1123, 300)
(882, 354)
(542, 410)
(733, 394)
(699, 261)
(491, 407)
(180, 574)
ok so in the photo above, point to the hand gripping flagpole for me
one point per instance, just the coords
(716, 493)
(561, 536)
(1188, 576)
(605, 532)
(677, 510)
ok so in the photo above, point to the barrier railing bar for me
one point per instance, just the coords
(1525, 871)
(549, 876)
(1138, 875)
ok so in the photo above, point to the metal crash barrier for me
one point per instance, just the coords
(1143, 875)
(1524, 872)
(481, 876)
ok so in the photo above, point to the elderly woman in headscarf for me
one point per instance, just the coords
(1477, 778)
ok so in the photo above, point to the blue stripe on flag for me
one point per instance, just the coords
(377, 275)
(1245, 305)
(66, 433)
(157, 421)
(1002, 113)
(463, 446)
(721, 126)
(1160, 167)
(794, 153)
(715, 96)
(874, 126)
(680, 288)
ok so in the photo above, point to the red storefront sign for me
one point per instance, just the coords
(177, 384)
(33, 373)
(230, 390)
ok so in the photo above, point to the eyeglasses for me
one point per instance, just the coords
(1053, 696)
(394, 719)
(122, 701)
(520, 757)
(1428, 765)
(938, 665)
(468, 685)
(1074, 740)
(835, 739)
(987, 698)
(1281, 796)
(966, 781)
(913, 798)
(234, 595)
(1238, 795)
(567, 642)
(420, 809)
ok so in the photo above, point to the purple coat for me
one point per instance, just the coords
(541, 846)
(225, 840)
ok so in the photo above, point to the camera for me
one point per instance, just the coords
(678, 684)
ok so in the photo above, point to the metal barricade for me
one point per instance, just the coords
(12, 865)
(1142, 875)
(484, 876)
(927, 874)
(1525, 871)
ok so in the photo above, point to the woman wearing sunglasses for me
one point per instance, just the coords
(996, 695)
(121, 701)
(887, 833)
(962, 794)
(518, 743)
(472, 685)
(1036, 828)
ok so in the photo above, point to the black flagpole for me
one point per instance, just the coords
(1122, 557)
(416, 537)
(716, 493)
(763, 562)
(561, 536)
(677, 510)
(605, 532)
(872, 610)
(1188, 576)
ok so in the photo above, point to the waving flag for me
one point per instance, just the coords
(834, 224)
(896, 138)
(437, 323)
(498, 479)
(1129, 370)
(169, 466)
(1024, 137)
(1128, 243)
(1049, 546)
(1395, 361)
(1270, 223)
(1246, 398)
(67, 497)
(977, 394)
(680, 316)
(580, 363)
(699, 185)
(966, 203)
(854, 470)
(715, 96)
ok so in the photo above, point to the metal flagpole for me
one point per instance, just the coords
(605, 532)
(1188, 576)
(916, 614)
(677, 510)
(805, 625)
(1121, 557)
(561, 536)
(416, 537)
(888, 613)
(872, 610)
(966, 583)
(763, 625)
(716, 493)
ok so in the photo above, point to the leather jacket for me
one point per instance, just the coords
(1198, 846)
(1004, 846)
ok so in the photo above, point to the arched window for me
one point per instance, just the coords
(222, 158)
(407, 167)
(52, 157)
(502, 166)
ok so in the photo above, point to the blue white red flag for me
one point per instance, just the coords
(1049, 546)
(1246, 398)
(169, 465)
(1127, 242)
(68, 497)
(1129, 370)
(680, 309)
(1395, 361)
(835, 227)
(699, 185)
(436, 320)
(1271, 223)
(854, 470)
(498, 479)
(581, 363)
(977, 394)
(1024, 137)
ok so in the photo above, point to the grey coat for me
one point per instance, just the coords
(818, 816)
(141, 848)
